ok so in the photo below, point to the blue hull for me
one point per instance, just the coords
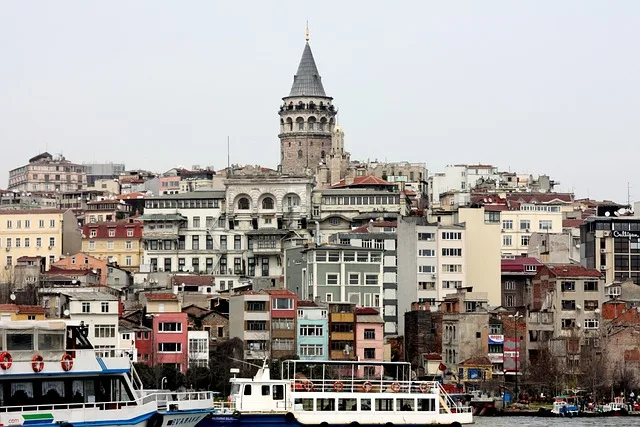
(259, 420)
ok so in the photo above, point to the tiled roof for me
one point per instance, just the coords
(541, 197)
(120, 228)
(362, 181)
(135, 195)
(306, 303)
(30, 211)
(379, 224)
(160, 297)
(307, 81)
(193, 280)
(572, 223)
(31, 309)
(370, 311)
(517, 264)
(281, 292)
(573, 270)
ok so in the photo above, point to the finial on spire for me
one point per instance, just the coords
(306, 37)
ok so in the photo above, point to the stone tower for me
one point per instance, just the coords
(307, 118)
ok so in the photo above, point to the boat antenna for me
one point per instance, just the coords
(244, 361)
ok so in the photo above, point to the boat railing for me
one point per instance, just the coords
(162, 399)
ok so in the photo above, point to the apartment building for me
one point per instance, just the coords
(342, 331)
(283, 314)
(369, 339)
(251, 312)
(379, 235)
(336, 273)
(107, 210)
(198, 349)
(564, 309)
(11, 312)
(169, 331)
(185, 233)
(45, 172)
(313, 331)
(81, 262)
(117, 242)
(48, 233)
(518, 225)
(517, 273)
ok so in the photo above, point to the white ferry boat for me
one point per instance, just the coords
(50, 375)
(339, 393)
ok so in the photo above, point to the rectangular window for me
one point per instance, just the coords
(567, 286)
(427, 286)
(128, 244)
(451, 284)
(169, 347)
(283, 304)
(196, 222)
(39, 242)
(451, 251)
(369, 334)
(86, 307)
(52, 223)
(334, 256)
(591, 286)
(256, 325)
(311, 350)
(509, 285)
(450, 235)
(112, 232)
(369, 353)
(282, 324)
(332, 279)
(427, 253)
(311, 330)
(451, 268)
(524, 240)
(591, 324)
(371, 279)
(195, 243)
(170, 327)
(428, 237)
(354, 279)
(237, 243)
(41, 223)
(52, 241)
(590, 305)
(568, 323)
(256, 306)
(426, 269)
(568, 304)
(349, 256)
(129, 232)
(128, 261)
(104, 307)
(545, 224)
(507, 240)
(110, 244)
(507, 224)
(525, 224)
(105, 331)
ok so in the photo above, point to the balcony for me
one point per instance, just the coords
(342, 318)
(342, 336)
(341, 355)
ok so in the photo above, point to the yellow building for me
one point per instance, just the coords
(21, 312)
(517, 227)
(117, 241)
(49, 233)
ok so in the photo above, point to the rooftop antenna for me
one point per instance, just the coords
(306, 34)
(228, 155)
(628, 194)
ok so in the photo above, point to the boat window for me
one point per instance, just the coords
(266, 390)
(235, 388)
(384, 404)
(347, 405)
(51, 341)
(326, 405)
(406, 404)
(365, 404)
(247, 390)
(278, 392)
(304, 404)
(19, 341)
(426, 405)
(21, 394)
(52, 392)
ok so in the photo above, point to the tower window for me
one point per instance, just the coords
(299, 154)
(243, 203)
(311, 123)
(289, 124)
(300, 122)
(322, 154)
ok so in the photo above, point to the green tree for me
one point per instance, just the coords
(227, 355)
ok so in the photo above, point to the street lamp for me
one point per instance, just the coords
(515, 318)
(163, 381)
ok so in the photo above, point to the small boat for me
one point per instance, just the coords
(566, 406)
(50, 375)
(338, 393)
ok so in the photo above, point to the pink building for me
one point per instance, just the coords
(369, 339)
(169, 332)
(169, 185)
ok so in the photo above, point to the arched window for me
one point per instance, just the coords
(300, 122)
(299, 154)
(289, 143)
(322, 154)
(243, 203)
(322, 124)
(281, 125)
(311, 123)
(267, 203)
(289, 124)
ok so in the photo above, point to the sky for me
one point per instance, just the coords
(540, 87)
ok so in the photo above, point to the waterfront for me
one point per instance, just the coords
(552, 422)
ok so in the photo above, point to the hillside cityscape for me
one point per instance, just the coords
(485, 278)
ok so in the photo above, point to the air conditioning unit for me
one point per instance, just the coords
(602, 251)
(603, 267)
(606, 234)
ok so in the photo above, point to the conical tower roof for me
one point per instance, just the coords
(307, 81)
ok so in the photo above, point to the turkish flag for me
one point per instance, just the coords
(442, 367)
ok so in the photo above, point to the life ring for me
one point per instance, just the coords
(366, 387)
(236, 414)
(66, 362)
(37, 363)
(308, 385)
(338, 386)
(289, 417)
(5, 360)
(395, 387)
(424, 387)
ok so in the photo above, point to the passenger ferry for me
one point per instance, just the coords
(50, 375)
(339, 393)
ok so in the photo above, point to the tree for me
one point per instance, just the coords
(227, 355)
(544, 373)
(198, 378)
(160, 376)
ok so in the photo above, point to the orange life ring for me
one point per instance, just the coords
(424, 387)
(395, 387)
(66, 362)
(308, 385)
(366, 387)
(37, 363)
(338, 386)
(5, 360)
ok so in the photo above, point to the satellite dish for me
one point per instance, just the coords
(607, 214)
(13, 297)
(66, 312)
(597, 311)
(617, 213)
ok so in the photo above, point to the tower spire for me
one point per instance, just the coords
(306, 34)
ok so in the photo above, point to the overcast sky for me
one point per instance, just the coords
(532, 86)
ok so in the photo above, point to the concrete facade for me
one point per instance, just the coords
(313, 331)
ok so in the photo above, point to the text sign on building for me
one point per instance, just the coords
(626, 234)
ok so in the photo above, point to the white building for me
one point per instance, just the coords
(198, 349)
